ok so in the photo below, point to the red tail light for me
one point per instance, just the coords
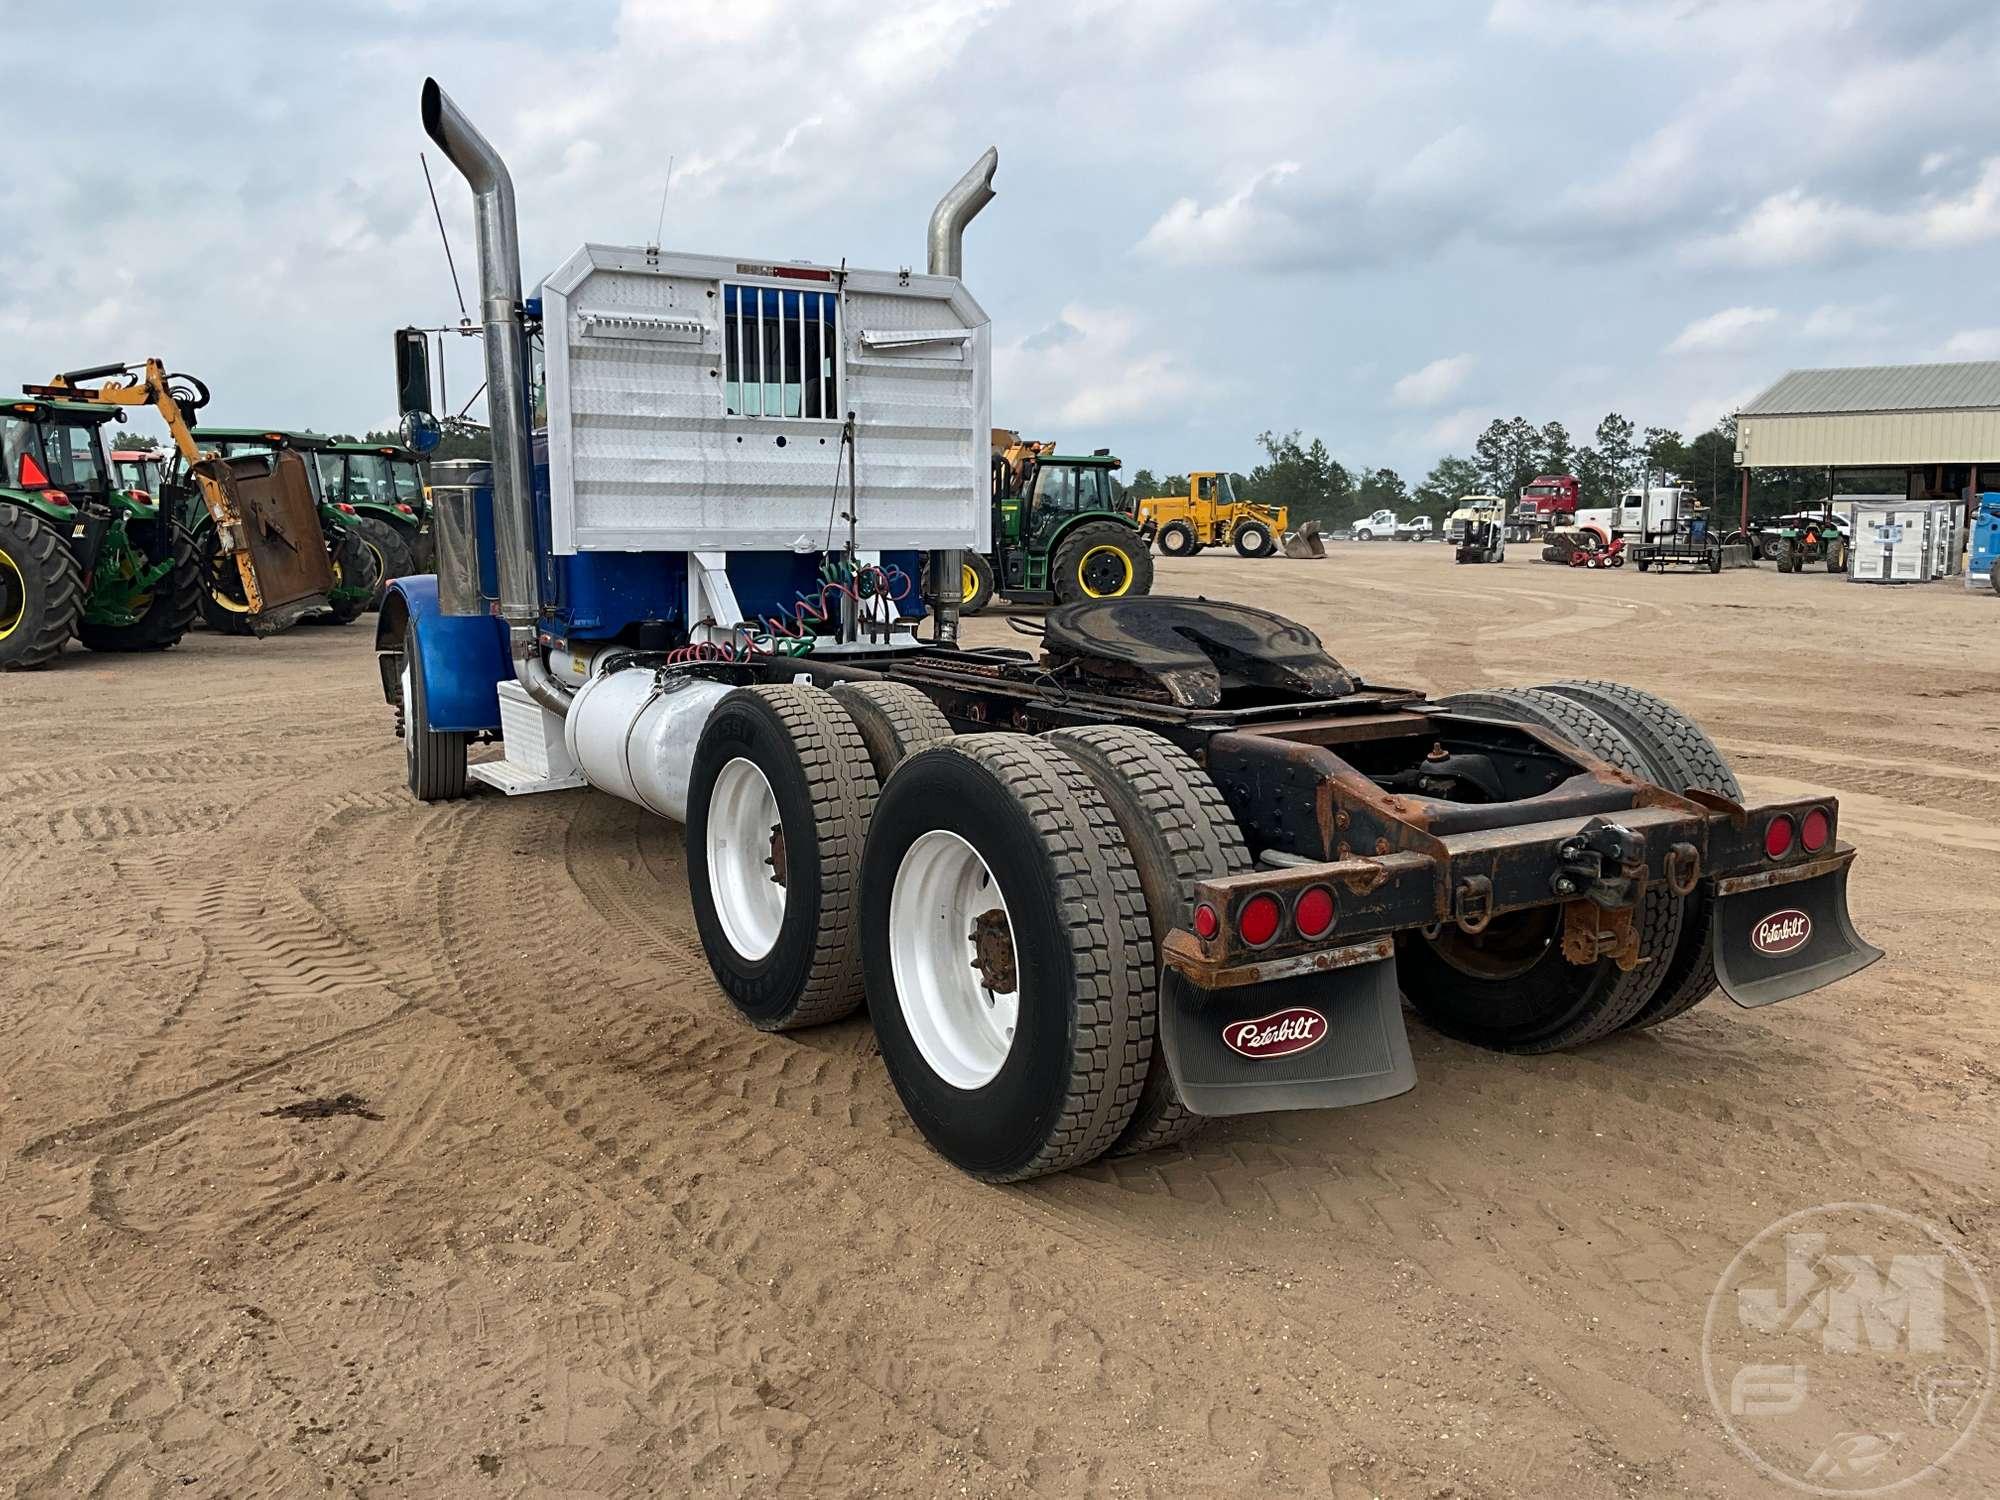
(345, 509)
(1206, 923)
(1778, 836)
(1313, 912)
(33, 475)
(406, 510)
(1815, 829)
(1258, 920)
(55, 497)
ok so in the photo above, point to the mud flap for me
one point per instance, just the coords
(1772, 942)
(1315, 1041)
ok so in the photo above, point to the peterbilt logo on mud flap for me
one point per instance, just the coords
(1782, 932)
(1279, 1034)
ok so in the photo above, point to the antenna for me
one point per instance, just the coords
(463, 315)
(660, 228)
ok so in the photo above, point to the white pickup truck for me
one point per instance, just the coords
(1381, 525)
(1416, 529)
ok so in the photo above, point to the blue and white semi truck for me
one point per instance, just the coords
(1174, 862)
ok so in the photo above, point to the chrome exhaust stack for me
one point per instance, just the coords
(498, 240)
(945, 244)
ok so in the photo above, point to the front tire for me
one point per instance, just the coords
(1177, 539)
(1009, 965)
(41, 591)
(353, 575)
(224, 604)
(170, 613)
(975, 584)
(1101, 560)
(1253, 539)
(779, 804)
(433, 759)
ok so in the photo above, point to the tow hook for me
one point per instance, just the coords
(1683, 869)
(1472, 904)
(1602, 862)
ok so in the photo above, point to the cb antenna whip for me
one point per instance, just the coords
(661, 227)
(463, 316)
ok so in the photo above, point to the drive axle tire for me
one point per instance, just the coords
(1253, 539)
(433, 759)
(1177, 539)
(976, 584)
(41, 591)
(171, 611)
(1509, 987)
(778, 808)
(1179, 831)
(1677, 755)
(1101, 560)
(1009, 961)
(390, 549)
(895, 720)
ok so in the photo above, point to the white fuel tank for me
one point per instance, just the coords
(632, 733)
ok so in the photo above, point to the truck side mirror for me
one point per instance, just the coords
(413, 371)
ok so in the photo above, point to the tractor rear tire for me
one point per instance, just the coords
(1179, 831)
(433, 759)
(175, 605)
(1787, 556)
(1101, 560)
(977, 584)
(41, 591)
(895, 720)
(392, 551)
(1509, 987)
(1009, 962)
(1836, 557)
(1253, 539)
(1679, 756)
(353, 568)
(781, 795)
(1177, 539)
(223, 608)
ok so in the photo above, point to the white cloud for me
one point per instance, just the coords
(1973, 343)
(1729, 329)
(1672, 25)
(1435, 383)
(1799, 228)
(1457, 429)
(1093, 365)
(1247, 225)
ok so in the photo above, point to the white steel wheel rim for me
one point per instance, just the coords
(963, 1028)
(409, 720)
(742, 820)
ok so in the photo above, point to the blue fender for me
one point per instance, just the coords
(463, 657)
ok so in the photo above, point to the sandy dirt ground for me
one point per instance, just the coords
(353, 1146)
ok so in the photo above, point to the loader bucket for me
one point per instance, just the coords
(1305, 542)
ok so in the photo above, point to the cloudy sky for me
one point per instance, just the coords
(1382, 224)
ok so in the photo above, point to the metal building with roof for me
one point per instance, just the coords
(1876, 417)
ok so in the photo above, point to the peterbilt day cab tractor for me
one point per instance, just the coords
(1175, 862)
(1211, 515)
(1060, 530)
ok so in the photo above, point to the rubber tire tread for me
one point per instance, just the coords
(396, 548)
(895, 721)
(174, 610)
(1249, 529)
(1100, 902)
(841, 785)
(1179, 830)
(1062, 569)
(1679, 756)
(36, 547)
(433, 759)
(1189, 545)
(350, 556)
(980, 565)
(221, 621)
(1661, 913)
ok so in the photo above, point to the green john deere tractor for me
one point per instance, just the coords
(79, 555)
(357, 580)
(384, 484)
(1061, 531)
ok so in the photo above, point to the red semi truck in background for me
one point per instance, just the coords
(1549, 500)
